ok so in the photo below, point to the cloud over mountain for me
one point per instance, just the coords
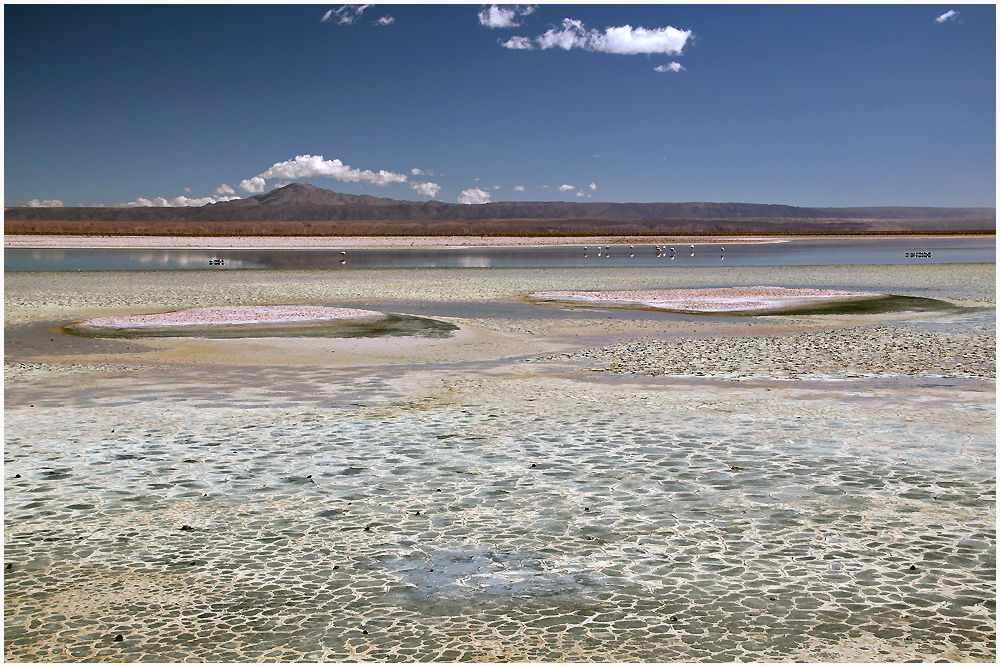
(315, 166)
(426, 189)
(309, 166)
(474, 196)
(176, 202)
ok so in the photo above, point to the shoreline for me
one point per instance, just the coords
(294, 242)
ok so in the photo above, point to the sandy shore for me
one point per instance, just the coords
(347, 242)
(255, 242)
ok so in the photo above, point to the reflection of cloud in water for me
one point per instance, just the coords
(168, 258)
(40, 255)
(474, 261)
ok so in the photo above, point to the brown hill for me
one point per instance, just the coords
(303, 208)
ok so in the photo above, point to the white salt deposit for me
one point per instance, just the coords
(710, 300)
(233, 315)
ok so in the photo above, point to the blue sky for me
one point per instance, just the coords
(833, 105)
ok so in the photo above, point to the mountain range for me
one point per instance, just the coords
(306, 204)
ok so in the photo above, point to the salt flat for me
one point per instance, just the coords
(542, 484)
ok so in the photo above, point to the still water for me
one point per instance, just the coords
(808, 252)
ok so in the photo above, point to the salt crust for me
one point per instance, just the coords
(710, 300)
(219, 315)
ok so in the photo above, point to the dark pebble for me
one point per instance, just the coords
(186, 527)
(18, 475)
(913, 567)
(534, 465)
(119, 638)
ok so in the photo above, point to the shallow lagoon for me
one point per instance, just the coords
(798, 252)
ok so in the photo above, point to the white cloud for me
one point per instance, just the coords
(566, 188)
(252, 185)
(474, 196)
(519, 188)
(496, 187)
(163, 202)
(44, 203)
(670, 67)
(592, 186)
(345, 15)
(581, 193)
(309, 166)
(426, 189)
(950, 15)
(519, 43)
(199, 201)
(620, 39)
(224, 190)
(385, 20)
(421, 172)
(504, 16)
(142, 201)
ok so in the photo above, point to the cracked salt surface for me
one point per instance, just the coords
(502, 510)
(484, 525)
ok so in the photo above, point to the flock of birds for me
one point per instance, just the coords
(661, 251)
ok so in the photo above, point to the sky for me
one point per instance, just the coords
(807, 105)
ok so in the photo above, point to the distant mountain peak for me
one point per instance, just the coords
(305, 194)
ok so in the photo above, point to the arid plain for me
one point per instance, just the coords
(504, 480)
